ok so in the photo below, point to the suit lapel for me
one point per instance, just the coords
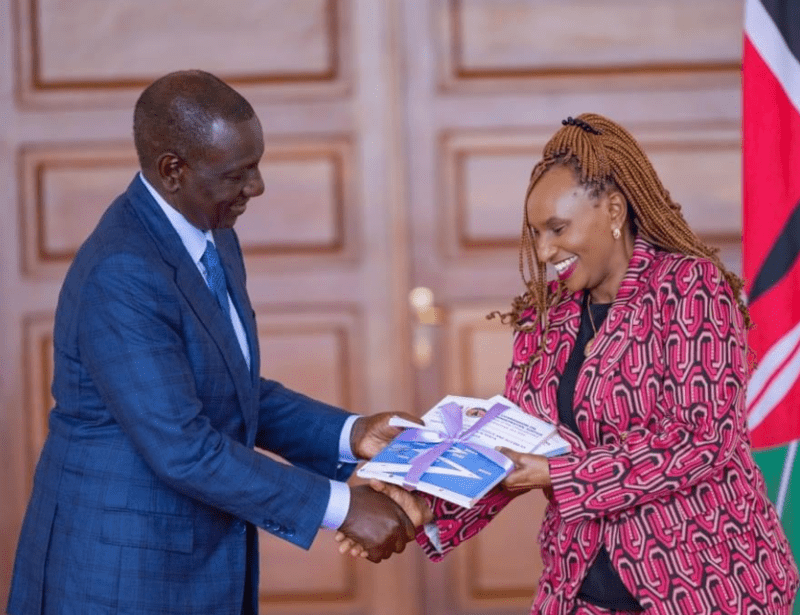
(196, 292)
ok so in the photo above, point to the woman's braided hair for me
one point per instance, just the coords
(605, 156)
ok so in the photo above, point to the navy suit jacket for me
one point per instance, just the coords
(148, 486)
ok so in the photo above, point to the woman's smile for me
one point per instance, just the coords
(566, 267)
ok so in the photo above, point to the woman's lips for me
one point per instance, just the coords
(564, 273)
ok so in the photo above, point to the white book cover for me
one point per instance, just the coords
(467, 468)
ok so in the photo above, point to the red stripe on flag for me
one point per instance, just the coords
(771, 157)
(771, 190)
(782, 425)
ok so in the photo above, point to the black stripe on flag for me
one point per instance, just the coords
(786, 16)
(780, 259)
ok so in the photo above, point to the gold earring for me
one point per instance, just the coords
(616, 233)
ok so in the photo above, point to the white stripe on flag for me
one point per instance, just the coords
(786, 477)
(767, 39)
(773, 377)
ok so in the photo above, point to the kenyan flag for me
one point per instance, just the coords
(771, 244)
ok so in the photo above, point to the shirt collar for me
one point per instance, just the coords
(194, 240)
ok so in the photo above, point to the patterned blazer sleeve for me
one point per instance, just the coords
(701, 406)
(456, 524)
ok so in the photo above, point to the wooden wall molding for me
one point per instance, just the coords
(37, 359)
(326, 362)
(60, 72)
(459, 72)
(485, 175)
(306, 216)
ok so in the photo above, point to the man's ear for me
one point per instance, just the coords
(171, 168)
(617, 209)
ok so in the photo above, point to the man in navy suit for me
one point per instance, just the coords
(148, 490)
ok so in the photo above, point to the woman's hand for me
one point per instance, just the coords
(413, 505)
(530, 472)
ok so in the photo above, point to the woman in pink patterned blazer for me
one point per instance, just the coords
(638, 352)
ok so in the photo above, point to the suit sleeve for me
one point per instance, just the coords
(701, 406)
(312, 443)
(131, 345)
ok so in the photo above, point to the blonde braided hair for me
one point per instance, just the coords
(605, 156)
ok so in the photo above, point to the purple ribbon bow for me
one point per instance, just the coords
(453, 422)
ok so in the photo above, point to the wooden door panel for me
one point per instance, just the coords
(308, 208)
(497, 36)
(532, 44)
(497, 569)
(488, 82)
(96, 53)
(324, 263)
(64, 189)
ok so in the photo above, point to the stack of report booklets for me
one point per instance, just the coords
(462, 474)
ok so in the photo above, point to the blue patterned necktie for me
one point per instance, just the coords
(215, 277)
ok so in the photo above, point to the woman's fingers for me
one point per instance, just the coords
(530, 471)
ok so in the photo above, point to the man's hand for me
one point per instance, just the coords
(415, 507)
(376, 524)
(531, 471)
(372, 433)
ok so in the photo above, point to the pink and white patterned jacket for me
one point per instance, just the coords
(663, 476)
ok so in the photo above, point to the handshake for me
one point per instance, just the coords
(382, 518)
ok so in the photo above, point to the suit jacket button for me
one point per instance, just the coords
(623, 436)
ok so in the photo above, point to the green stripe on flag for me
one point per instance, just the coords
(773, 463)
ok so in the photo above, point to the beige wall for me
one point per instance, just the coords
(400, 134)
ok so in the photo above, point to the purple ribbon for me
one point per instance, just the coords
(453, 422)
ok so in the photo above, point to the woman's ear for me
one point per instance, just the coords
(617, 209)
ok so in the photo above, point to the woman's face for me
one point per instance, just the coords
(573, 232)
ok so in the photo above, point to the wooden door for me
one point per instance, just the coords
(325, 245)
(399, 134)
(487, 83)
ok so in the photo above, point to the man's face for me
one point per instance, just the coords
(215, 186)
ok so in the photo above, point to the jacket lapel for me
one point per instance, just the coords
(612, 337)
(545, 373)
(191, 284)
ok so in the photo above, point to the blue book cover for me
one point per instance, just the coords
(464, 472)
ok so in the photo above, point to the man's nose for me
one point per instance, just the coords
(254, 185)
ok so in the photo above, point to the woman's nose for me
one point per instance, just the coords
(544, 249)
